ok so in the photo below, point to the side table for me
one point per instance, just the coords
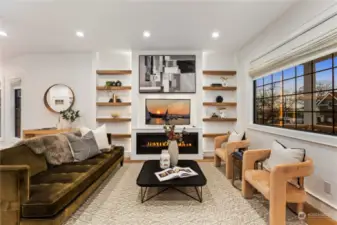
(237, 157)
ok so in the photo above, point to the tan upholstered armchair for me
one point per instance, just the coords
(274, 185)
(224, 154)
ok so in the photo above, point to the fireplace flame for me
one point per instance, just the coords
(166, 143)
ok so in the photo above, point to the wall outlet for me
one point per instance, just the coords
(327, 187)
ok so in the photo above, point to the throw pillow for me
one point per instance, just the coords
(83, 147)
(280, 154)
(100, 135)
(234, 136)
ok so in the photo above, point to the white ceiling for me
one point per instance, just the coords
(50, 25)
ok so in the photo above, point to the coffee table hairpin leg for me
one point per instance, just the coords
(143, 193)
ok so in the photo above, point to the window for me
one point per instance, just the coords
(17, 112)
(303, 97)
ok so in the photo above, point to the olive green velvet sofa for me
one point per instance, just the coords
(35, 193)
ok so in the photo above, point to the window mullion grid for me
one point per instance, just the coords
(263, 103)
(333, 94)
(272, 100)
(313, 76)
(282, 99)
(295, 97)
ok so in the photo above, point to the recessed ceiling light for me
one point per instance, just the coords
(215, 35)
(80, 34)
(3, 33)
(146, 34)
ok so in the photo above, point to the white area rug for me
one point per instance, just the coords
(117, 202)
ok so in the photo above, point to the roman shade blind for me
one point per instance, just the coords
(316, 42)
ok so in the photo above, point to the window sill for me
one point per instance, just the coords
(300, 135)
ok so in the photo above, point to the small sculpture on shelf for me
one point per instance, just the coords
(214, 115)
(114, 98)
(224, 81)
(223, 113)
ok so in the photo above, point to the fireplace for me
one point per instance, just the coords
(153, 143)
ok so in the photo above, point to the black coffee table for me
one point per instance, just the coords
(147, 179)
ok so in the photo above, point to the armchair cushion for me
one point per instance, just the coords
(283, 155)
(222, 153)
(260, 179)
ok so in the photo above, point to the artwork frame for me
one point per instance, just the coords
(167, 74)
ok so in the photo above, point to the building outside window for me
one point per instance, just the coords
(303, 97)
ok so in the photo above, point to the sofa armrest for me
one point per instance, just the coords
(250, 157)
(14, 190)
(294, 170)
(219, 140)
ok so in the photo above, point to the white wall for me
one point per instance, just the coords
(300, 16)
(124, 60)
(40, 71)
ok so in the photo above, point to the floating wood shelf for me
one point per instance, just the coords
(113, 120)
(120, 135)
(219, 104)
(113, 103)
(103, 88)
(212, 135)
(210, 88)
(219, 119)
(219, 72)
(113, 72)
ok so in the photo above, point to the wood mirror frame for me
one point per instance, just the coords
(46, 101)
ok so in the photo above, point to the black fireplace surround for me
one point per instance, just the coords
(154, 143)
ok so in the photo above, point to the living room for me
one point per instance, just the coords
(186, 86)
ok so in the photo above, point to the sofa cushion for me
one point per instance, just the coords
(83, 147)
(23, 155)
(52, 190)
(100, 134)
(55, 148)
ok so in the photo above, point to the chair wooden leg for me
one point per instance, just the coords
(277, 200)
(300, 208)
(247, 189)
(229, 168)
(217, 161)
(277, 213)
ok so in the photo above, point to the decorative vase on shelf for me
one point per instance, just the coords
(219, 99)
(224, 81)
(164, 159)
(174, 152)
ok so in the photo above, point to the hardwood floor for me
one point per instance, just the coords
(315, 217)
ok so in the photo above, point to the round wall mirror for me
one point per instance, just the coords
(59, 97)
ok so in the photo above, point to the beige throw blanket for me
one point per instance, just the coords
(55, 148)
